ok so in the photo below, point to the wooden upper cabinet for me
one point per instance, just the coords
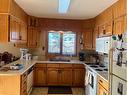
(119, 8)
(4, 6)
(33, 37)
(87, 35)
(119, 25)
(105, 29)
(18, 30)
(4, 28)
(14, 30)
(95, 35)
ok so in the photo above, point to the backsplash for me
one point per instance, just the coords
(9, 47)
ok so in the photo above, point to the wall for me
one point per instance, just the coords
(60, 24)
(9, 47)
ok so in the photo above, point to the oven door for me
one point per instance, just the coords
(119, 86)
(92, 83)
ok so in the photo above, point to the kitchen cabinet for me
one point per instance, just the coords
(95, 35)
(18, 30)
(87, 35)
(33, 37)
(105, 29)
(52, 77)
(119, 25)
(103, 87)
(119, 8)
(40, 74)
(4, 27)
(78, 75)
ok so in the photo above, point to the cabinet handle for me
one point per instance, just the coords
(101, 81)
(20, 37)
(36, 43)
(104, 31)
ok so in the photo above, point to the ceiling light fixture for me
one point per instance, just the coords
(63, 6)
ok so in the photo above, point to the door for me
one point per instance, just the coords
(119, 25)
(102, 91)
(65, 77)
(40, 76)
(78, 77)
(14, 29)
(108, 28)
(95, 35)
(88, 35)
(52, 77)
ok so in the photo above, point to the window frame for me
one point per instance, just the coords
(61, 44)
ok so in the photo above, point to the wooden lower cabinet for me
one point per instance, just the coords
(102, 90)
(59, 75)
(65, 77)
(40, 75)
(78, 77)
(52, 76)
(103, 87)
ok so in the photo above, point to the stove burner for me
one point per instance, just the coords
(101, 66)
(98, 69)
(94, 66)
(105, 69)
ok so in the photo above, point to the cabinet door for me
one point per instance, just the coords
(108, 28)
(87, 34)
(119, 25)
(78, 77)
(4, 33)
(52, 77)
(32, 37)
(101, 30)
(23, 32)
(14, 30)
(95, 35)
(119, 8)
(40, 76)
(65, 77)
(102, 91)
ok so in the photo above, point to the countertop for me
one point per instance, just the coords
(29, 64)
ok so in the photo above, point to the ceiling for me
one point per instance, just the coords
(79, 9)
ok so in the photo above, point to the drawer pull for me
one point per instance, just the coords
(101, 81)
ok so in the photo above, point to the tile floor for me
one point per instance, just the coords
(44, 91)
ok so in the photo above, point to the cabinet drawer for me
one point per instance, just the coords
(78, 66)
(40, 65)
(102, 82)
(62, 65)
(52, 65)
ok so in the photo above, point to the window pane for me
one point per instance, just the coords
(69, 44)
(54, 42)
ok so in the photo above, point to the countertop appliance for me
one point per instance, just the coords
(119, 65)
(30, 80)
(23, 53)
(90, 82)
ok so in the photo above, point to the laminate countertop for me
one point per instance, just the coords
(28, 64)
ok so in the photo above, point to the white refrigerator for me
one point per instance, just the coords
(118, 65)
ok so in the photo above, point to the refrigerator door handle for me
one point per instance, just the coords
(120, 89)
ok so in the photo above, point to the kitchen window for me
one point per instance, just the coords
(60, 42)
